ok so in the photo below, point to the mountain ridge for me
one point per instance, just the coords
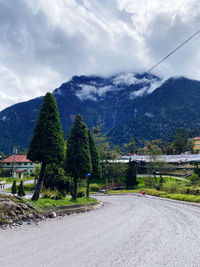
(127, 103)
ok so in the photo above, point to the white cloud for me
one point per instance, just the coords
(44, 43)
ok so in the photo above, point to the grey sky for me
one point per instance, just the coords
(44, 43)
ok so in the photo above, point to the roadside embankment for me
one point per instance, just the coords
(14, 211)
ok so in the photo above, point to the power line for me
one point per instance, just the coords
(173, 51)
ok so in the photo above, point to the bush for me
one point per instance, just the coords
(29, 187)
(193, 190)
(21, 191)
(52, 194)
(170, 187)
(194, 178)
(80, 193)
(149, 182)
(94, 188)
(14, 188)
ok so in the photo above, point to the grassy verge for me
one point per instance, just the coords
(182, 197)
(48, 203)
(157, 193)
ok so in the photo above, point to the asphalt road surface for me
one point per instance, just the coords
(128, 231)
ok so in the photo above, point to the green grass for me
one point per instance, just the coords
(48, 203)
(182, 197)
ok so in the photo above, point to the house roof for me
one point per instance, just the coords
(196, 138)
(19, 170)
(17, 158)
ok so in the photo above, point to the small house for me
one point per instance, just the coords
(18, 164)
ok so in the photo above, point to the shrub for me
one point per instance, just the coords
(193, 190)
(14, 188)
(149, 182)
(29, 187)
(182, 189)
(170, 187)
(21, 191)
(46, 193)
(53, 194)
(194, 178)
(80, 193)
(94, 188)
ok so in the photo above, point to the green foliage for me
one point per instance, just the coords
(131, 175)
(96, 167)
(53, 194)
(114, 170)
(102, 143)
(55, 178)
(78, 158)
(194, 178)
(44, 203)
(131, 146)
(181, 141)
(47, 144)
(14, 188)
(94, 188)
(170, 187)
(182, 197)
(21, 191)
(80, 193)
(149, 182)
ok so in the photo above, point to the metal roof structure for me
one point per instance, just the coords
(183, 158)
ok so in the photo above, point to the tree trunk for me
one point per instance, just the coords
(40, 183)
(74, 197)
(88, 186)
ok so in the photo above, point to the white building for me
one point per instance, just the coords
(18, 164)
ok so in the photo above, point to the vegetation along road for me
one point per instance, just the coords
(128, 231)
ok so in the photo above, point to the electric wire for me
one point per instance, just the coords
(173, 51)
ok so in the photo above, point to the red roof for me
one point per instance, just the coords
(196, 138)
(18, 158)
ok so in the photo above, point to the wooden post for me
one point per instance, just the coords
(112, 183)
(118, 182)
(106, 183)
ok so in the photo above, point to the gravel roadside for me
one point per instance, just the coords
(128, 231)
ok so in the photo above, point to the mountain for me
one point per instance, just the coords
(127, 103)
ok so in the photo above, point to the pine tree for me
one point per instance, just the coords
(96, 167)
(14, 188)
(131, 175)
(78, 158)
(21, 191)
(47, 145)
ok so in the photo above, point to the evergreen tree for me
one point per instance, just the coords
(131, 175)
(78, 158)
(21, 191)
(14, 188)
(131, 146)
(96, 166)
(180, 142)
(47, 145)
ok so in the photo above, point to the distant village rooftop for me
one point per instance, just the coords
(16, 158)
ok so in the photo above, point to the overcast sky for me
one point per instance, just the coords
(43, 43)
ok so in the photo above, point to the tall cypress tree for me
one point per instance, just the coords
(78, 159)
(47, 145)
(96, 167)
(14, 188)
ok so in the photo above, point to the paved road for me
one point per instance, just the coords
(128, 231)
